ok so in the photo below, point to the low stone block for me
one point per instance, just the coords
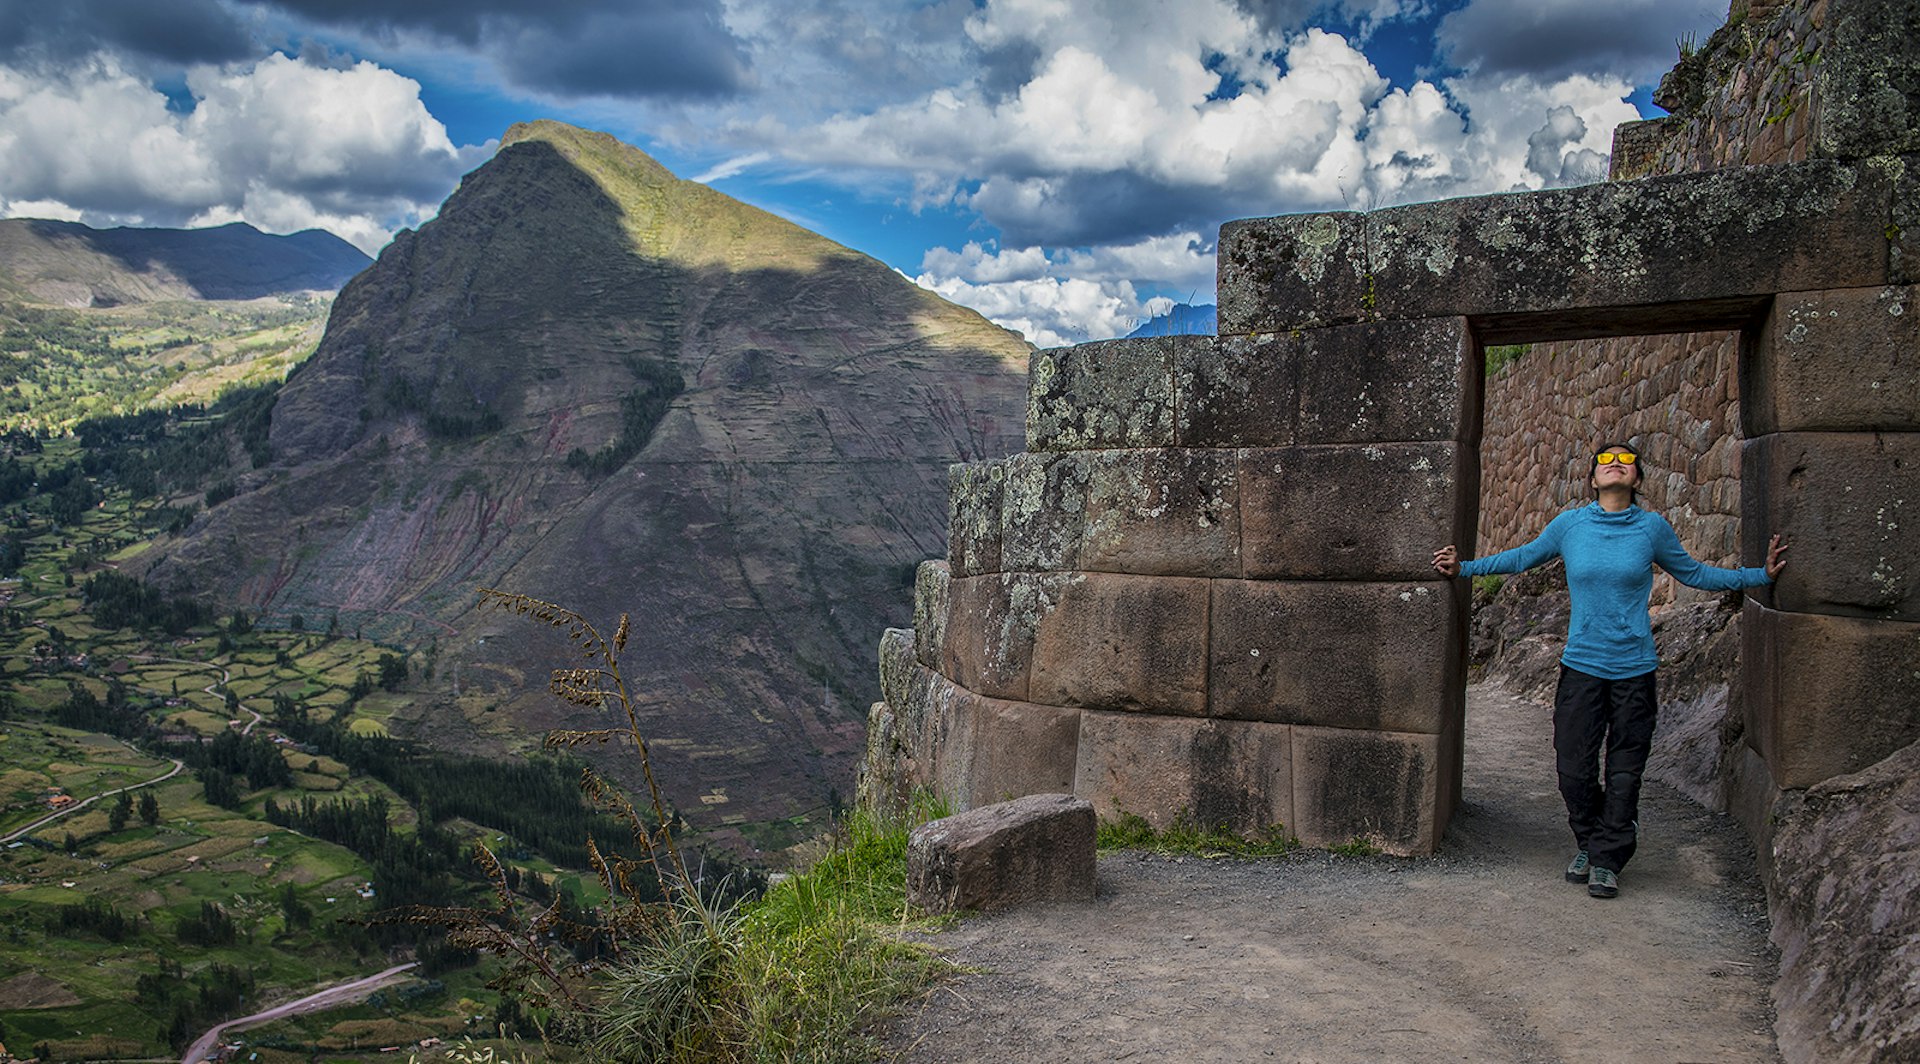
(1384, 656)
(1116, 393)
(990, 629)
(931, 603)
(1011, 749)
(1827, 695)
(1381, 787)
(1112, 641)
(1560, 256)
(1353, 511)
(1161, 512)
(898, 662)
(1848, 504)
(1294, 271)
(1034, 849)
(1043, 510)
(1845, 360)
(1365, 383)
(1227, 774)
(973, 517)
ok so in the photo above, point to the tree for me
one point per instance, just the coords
(122, 809)
(149, 808)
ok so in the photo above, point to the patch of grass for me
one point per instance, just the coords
(1488, 584)
(1500, 356)
(802, 974)
(1354, 847)
(1183, 836)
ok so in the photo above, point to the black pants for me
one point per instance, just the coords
(1589, 713)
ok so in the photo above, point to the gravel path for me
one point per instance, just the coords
(1482, 953)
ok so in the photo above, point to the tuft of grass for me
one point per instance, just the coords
(802, 974)
(1184, 836)
(1488, 584)
(1354, 847)
(1500, 356)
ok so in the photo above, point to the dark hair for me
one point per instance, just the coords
(1639, 469)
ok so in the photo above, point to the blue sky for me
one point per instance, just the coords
(1061, 165)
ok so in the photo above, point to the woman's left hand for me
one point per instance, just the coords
(1775, 563)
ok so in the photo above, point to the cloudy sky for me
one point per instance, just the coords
(1062, 165)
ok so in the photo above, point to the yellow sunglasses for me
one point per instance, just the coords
(1609, 457)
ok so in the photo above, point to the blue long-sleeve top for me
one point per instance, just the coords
(1610, 559)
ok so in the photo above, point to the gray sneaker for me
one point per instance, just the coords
(1603, 882)
(1577, 868)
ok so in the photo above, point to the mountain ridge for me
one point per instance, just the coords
(69, 264)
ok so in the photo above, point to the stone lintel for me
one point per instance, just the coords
(1235, 775)
(1824, 695)
(1844, 360)
(1346, 655)
(1848, 504)
(1713, 237)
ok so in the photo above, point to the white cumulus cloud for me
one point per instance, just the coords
(279, 143)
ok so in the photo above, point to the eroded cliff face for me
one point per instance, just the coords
(593, 383)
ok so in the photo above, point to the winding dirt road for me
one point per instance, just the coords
(331, 997)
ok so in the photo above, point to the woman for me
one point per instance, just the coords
(1606, 691)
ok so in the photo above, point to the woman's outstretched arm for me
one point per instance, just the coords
(1544, 548)
(1691, 571)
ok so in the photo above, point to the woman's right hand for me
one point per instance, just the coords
(1447, 560)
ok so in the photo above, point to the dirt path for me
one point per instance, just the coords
(331, 997)
(1482, 953)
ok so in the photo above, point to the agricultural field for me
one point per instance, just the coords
(59, 365)
(105, 946)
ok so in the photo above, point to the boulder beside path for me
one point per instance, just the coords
(1033, 849)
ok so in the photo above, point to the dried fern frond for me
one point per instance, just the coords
(620, 634)
(582, 687)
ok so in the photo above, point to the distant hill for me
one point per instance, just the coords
(1185, 319)
(67, 264)
(594, 383)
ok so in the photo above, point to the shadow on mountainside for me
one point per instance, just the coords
(1482, 953)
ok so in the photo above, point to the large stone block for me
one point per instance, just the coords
(931, 603)
(1384, 656)
(1868, 80)
(898, 662)
(1236, 775)
(1392, 380)
(1838, 361)
(1161, 512)
(1827, 695)
(1364, 383)
(1354, 511)
(1848, 504)
(1116, 393)
(1043, 508)
(1294, 271)
(1009, 749)
(991, 625)
(1034, 849)
(974, 492)
(1600, 259)
(1903, 265)
(1381, 787)
(1111, 641)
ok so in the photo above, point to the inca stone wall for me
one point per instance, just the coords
(1203, 590)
